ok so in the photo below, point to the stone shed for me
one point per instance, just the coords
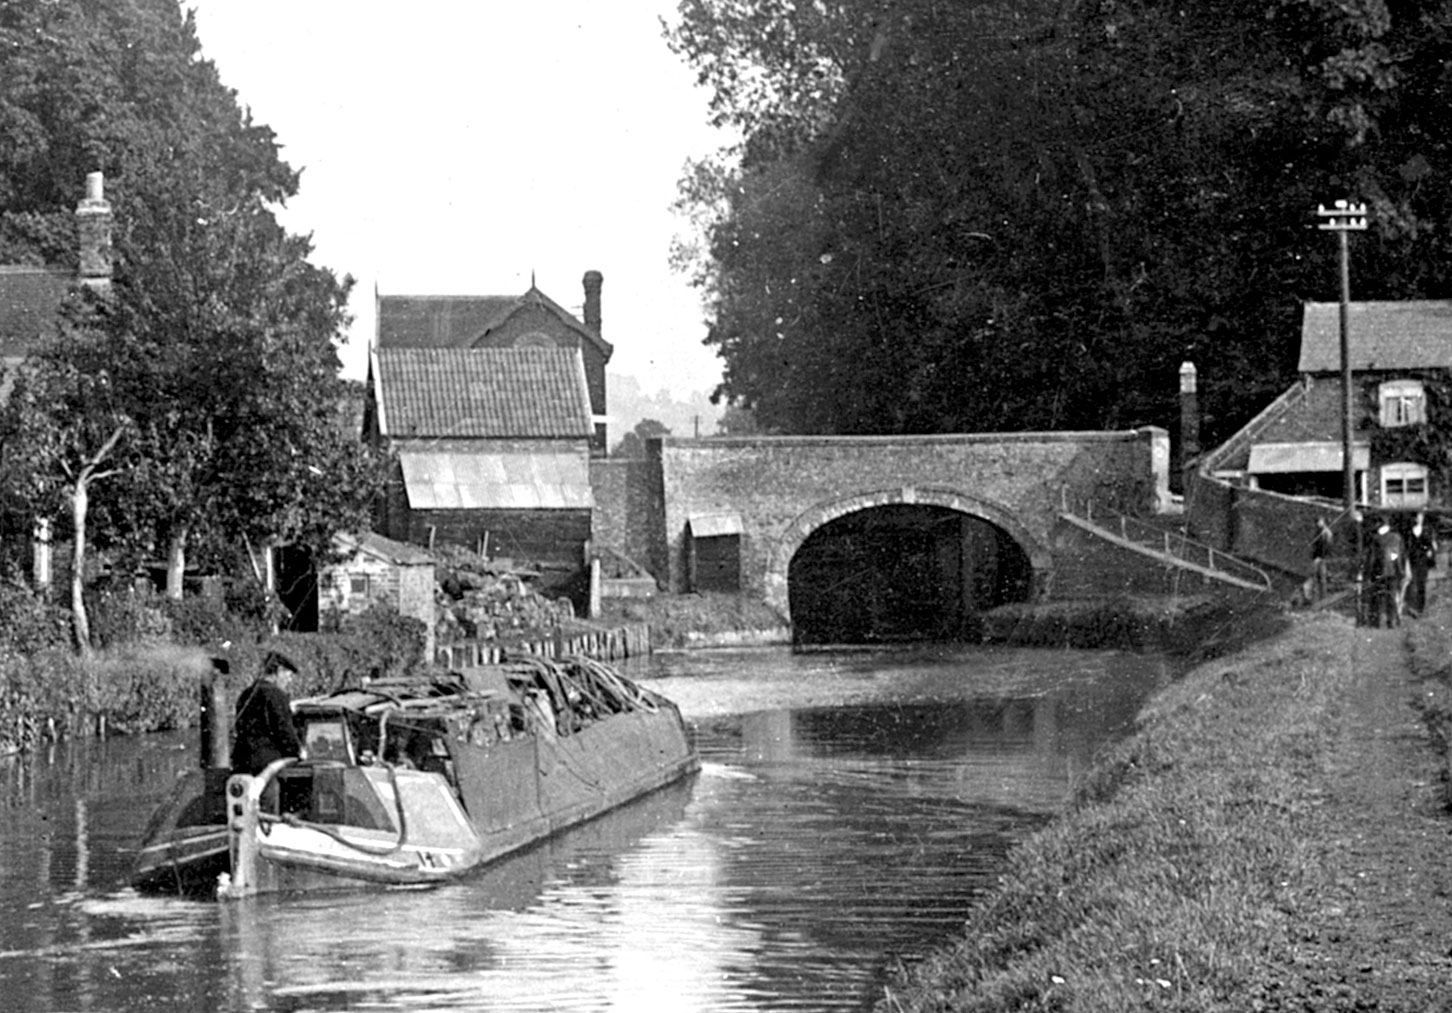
(378, 569)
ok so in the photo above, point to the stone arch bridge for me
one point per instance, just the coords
(909, 526)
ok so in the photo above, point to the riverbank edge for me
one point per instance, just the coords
(1198, 625)
(1187, 625)
(1187, 865)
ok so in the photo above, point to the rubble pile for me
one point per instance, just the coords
(484, 599)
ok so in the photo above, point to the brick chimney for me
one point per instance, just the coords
(1189, 415)
(593, 281)
(93, 227)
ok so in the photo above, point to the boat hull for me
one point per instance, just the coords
(394, 827)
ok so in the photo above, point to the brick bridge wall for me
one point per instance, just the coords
(783, 488)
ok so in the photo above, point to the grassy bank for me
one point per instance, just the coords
(1429, 655)
(1188, 862)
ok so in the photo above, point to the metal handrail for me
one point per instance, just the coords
(1177, 546)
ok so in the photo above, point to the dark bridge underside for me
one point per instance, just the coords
(902, 572)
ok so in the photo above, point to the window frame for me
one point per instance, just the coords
(1403, 473)
(1401, 403)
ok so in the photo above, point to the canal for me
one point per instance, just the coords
(850, 808)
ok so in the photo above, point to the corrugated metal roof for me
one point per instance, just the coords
(714, 525)
(479, 480)
(1317, 455)
(484, 392)
(1380, 336)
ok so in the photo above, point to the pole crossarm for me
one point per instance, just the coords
(1343, 216)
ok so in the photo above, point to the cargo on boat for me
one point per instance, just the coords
(415, 781)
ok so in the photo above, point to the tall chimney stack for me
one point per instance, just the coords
(593, 280)
(1189, 415)
(93, 227)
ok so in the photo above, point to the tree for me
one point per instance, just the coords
(632, 444)
(1024, 215)
(217, 341)
(61, 430)
(738, 421)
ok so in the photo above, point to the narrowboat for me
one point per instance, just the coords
(416, 781)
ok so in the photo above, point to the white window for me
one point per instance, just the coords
(1404, 485)
(1403, 403)
(359, 584)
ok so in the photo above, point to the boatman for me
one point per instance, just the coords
(264, 726)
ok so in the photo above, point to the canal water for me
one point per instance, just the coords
(849, 810)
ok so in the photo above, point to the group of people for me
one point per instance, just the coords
(1396, 556)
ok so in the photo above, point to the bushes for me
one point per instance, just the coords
(139, 689)
(122, 614)
(146, 676)
(29, 624)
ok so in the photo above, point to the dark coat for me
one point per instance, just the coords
(1390, 561)
(265, 729)
(1422, 551)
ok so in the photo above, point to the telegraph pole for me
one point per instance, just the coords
(1342, 219)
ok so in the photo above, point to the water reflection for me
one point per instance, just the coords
(818, 845)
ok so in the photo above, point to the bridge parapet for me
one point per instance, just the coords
(780, 489)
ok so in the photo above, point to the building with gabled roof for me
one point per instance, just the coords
(531, 320)
(1398, 351)
(493, 448)
(376, 570)
(1259, 493)
(1384, 336)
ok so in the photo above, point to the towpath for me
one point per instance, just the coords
(1380, 937)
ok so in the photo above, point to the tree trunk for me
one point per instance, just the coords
(80, 503)
(81, 624)
(176, 562)
(269, 583)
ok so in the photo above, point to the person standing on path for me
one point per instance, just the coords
(1421, 558)
(1389, 567)
(1320, 554)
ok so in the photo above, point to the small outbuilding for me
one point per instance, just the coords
(378, 570)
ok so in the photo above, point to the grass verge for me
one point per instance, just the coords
(1180, 872)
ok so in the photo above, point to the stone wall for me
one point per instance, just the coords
(1266, 528)
(551, 537)
(623, 489)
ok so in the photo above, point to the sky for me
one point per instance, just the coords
(467, 146)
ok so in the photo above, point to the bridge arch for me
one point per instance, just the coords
(785, 547)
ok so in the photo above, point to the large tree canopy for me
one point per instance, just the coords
(215, 343)
(1005, 215)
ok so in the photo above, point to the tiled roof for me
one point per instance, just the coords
(1380, 336)
(457, 321)
(482, 392)
(29, 298)
(439, 321)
